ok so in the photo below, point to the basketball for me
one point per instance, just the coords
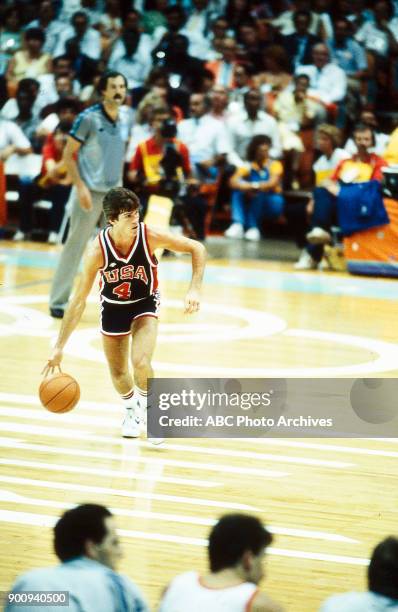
(59, 392)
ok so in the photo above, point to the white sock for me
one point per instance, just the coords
(142, 397)
(129, 399)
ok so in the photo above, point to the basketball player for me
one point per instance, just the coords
(123, 253)
(236, 552)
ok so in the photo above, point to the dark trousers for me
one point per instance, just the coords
(324, 216)
(30, 192)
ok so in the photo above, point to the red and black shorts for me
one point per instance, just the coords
(116, 319)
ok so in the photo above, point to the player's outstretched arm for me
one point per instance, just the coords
(180, 244)
(92, 262)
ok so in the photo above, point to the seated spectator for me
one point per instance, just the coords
(66, 109)
(110, 26)
(86, 38)
(351, 57)
(12, 140)
(328, 141)
(284, 23)
(248, 37)
(31, 61)
(183, 70)
(242, 80)
(131, 52)
(256, 191)
(198, 22)
(250, 122)
(236, 12)
(219, 104)
(298, 45)
(176, 19)
(223, 68)
(54, 185)
(367, 117)
(86, 543)
(380, 35)
(154, 17)
(361, 167)
(382, 594)
(25, 99)
(10, 32)
(295, 112)
(49, 92)
(47, 23)
(161, 166)
(235, 571)
(322, 10)
(328, 82)
(11, 110)
(205, 137)
(275, 71)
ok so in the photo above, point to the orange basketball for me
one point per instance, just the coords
(59, 392)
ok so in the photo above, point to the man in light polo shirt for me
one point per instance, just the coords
(94, 156)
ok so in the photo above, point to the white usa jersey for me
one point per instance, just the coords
(186, 593)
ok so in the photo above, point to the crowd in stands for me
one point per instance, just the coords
(86, 543)
(299, 74)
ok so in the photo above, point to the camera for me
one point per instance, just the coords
(168, 129)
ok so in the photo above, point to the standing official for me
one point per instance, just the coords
(94, 156)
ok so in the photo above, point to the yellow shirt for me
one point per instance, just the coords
(271, 168)
(391, 153)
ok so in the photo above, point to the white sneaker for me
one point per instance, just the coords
(131, 427)
(19, 236)
(305, 262)
(253, 234)
(52, 238)
(234, 231)
(319, 236)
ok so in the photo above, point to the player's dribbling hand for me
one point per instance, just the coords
(192, 302)
(84, 196)
(53, 362)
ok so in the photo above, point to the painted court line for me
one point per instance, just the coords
(195, 501)
(44, 520)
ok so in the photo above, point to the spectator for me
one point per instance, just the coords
(361, 167)
(322, 10)
(298, 45)
(223, 68)
(154, 17)
(328, 141)
(175, 15)
(86, 543)
(199, 22)
(236, 551)
(26, 95)
(98, 140)
(85, 37)
(62, 67)
(275, 72)
(205, 137)
(47, 23)
(30, 62)
(10, 109)
(391, 153)
(110, 26)
(12, 140)
(328, 82)
(248, 37)
(350, 57)
(382, 594)
(256, 191)
(236, 12)
(252, 121)
(10, 32)
(367, 117)
(66, 109)
(54, 185)
(242, 79)
(219, 98)
(380, 36)
(131, 52)
(285, 21)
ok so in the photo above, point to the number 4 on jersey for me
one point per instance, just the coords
(123, 291)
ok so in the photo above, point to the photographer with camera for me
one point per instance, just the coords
(161, 167)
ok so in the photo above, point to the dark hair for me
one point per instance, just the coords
(35, 34)
(301, 13)
(64, 127)
(257, 141)
(362, 127)
(78, 14)
(383, 568)
(119, 200)
(232, 536)
(109, 74)
(76, 526)
(61, 58)
(28, 85)
(68, 102)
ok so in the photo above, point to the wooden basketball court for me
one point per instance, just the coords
(327, 501)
